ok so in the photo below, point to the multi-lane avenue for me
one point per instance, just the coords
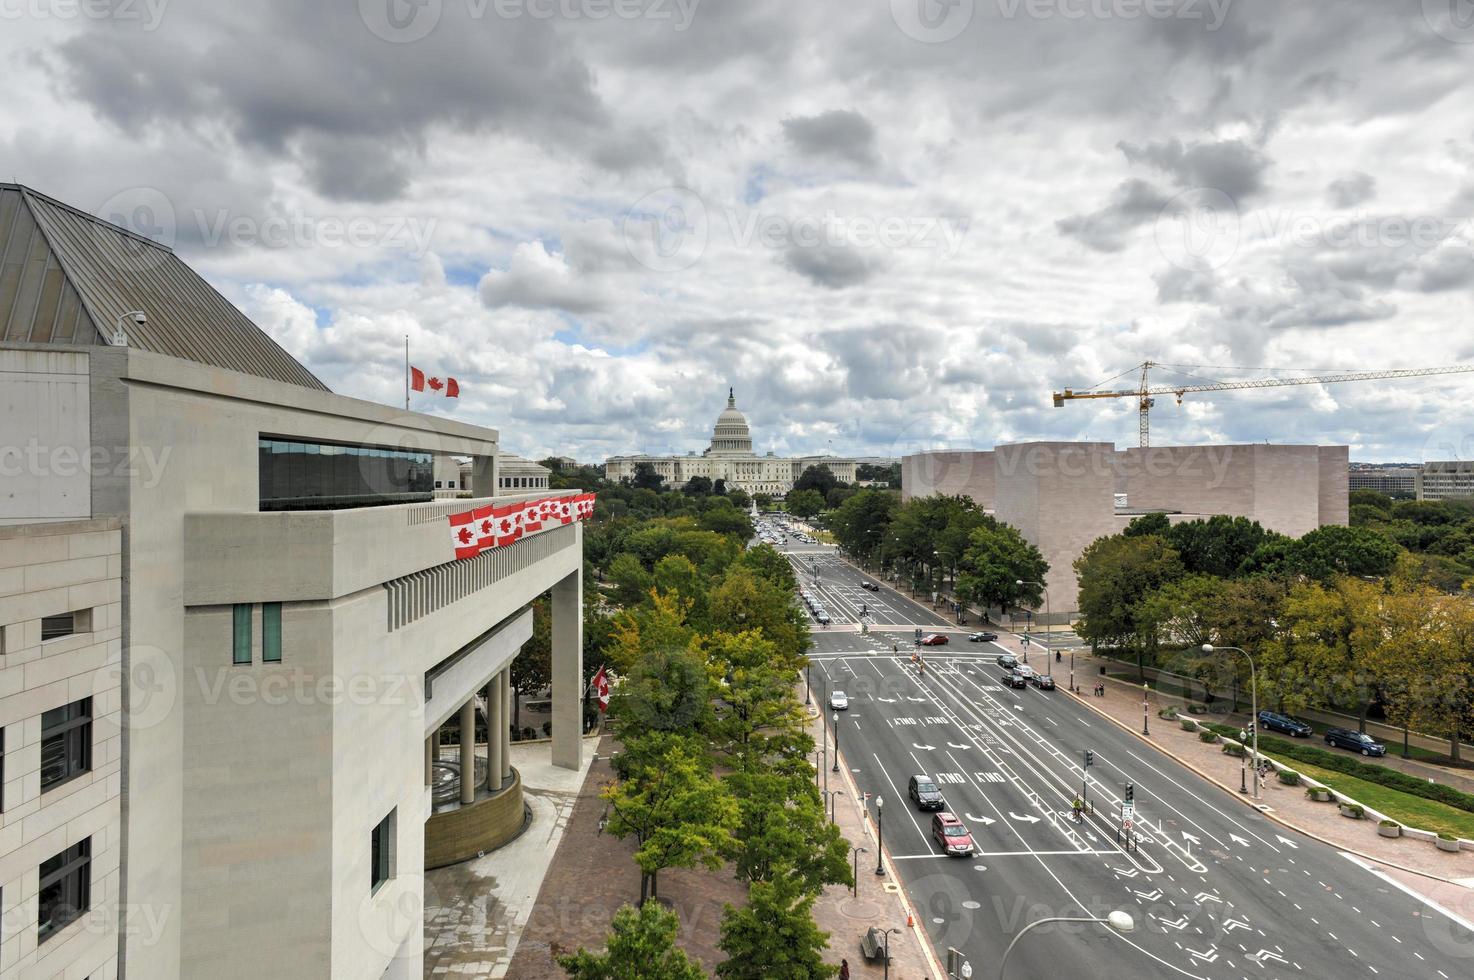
(1215, 888)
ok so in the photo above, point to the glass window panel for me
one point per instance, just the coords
(271, 632)
(241, 634)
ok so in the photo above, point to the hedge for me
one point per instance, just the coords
(1372, 773)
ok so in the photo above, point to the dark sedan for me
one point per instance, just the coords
(984, 637)
(1345, 738)
(1276, 722)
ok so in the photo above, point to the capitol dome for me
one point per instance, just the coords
(730, 436)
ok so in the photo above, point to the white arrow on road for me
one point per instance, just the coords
(1202, 897)
(951, 746)
(1125, 872)
(1238, 840)
(924, 748)
(1189, 837)
(1030, 818)
(1150, 896)
(1229, 925)
(1265, 955)
(1286, 840)
(1179, 924)
(982, 820)
(887, 700)
(1207, 957)
(909, 698)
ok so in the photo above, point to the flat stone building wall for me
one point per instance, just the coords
(950, 474)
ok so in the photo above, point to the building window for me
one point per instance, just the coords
(381, 857)
(297, 475)
(271, 632)
(66, 743)
(437, 484)
(240, 644)
(66, 624)
(66, 889)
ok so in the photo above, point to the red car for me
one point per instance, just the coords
(952, 835)
(934, 640)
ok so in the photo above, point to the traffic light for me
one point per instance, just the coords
(1089, 758)
(1130, 793)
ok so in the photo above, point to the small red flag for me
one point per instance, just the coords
(507, 528)
(485, 527)
(452, 390)
(532, 516)
(464, 535)
(417, 379)
(601, 689)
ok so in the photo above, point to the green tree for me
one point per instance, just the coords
(860, 523)
(757, 718)
(1218, 545)
(1330, 631)
(630, 580)
(659, 624)
(698, 486)
(783, 828)
(1154, 523)
(646, 478)
(996, 560)
(1115, 574)
(725, 519)
(667, 690)
(744, 601)
(1371, 498)
(774, 935)
(804, 503)
(678, 812)
(641, 946)
(818, 478)
(1337, 550)
(768, 564)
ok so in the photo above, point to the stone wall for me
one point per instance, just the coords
(461, 834)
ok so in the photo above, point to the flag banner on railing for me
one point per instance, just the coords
(484, 528)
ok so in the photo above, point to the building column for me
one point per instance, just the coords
(496, 732)
(468, 751)
(567, 613)
(507, 695)
(430, 756)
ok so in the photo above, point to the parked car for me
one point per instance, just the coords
(871, 586)
(821, 617)
(1008, 661)
(952, 835)
(924, 793)
(839, 700)
(1043, 682)
(934, 640)
(1277, 722)
(984, 637)
(1014, 679)
(1345, 738)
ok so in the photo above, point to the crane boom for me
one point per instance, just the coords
(1145, 392)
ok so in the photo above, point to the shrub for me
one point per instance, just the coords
(548, 729)
(1208, 736)
(1188, 725)
(1388, 823)
(1197, 709)
(1354, 810)
(1168, 713)
(528, 732)
(1371, 772)
(1234, 749)
(1289, 777)
(1445, 835)
(1316, 792)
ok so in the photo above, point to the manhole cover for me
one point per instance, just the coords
(980, 867)
(892, 887)
(859, 910)
(972, 905)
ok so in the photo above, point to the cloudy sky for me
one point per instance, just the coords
(890, 224)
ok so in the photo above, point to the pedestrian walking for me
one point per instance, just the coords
(844, 970)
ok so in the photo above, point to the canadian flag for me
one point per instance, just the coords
(464, 535)
(485, 527)
(565, 510)
(441, 386)
(508, 529)
(588, 505)
(532, 516)
(601, 689)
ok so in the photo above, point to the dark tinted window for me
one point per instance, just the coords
(295, 475)
(66, 889)
(66, 743)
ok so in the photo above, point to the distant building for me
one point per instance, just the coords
(515, 474)
(730, 458)
(1446, 479)
(1395, 481)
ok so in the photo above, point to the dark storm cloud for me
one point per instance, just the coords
(831, 265)
(1134, 202)
(1231, 166)
(1351, 190)
(313, 81)
(841, 134)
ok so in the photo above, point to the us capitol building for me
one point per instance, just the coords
(730, 458)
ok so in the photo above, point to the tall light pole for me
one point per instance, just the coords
(887, 956)
(1119, 921)
(835, 725)
(1049, 649)
(855, 853)
(1145, 707)
(879, 835)
(1253, 709)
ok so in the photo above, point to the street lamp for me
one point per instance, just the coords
(855, 853)
(887, 957)
(836, 741)
(1253, 713)
(1050, 648)
(831, 794)
(1119, 921)
(1145, 707)
(807, 685)
(879, 836)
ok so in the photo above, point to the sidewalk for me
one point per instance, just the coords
(1287, 804)
(846, 918)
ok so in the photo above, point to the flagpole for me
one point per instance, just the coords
(406, 372)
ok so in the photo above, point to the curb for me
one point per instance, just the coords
(1234, 794)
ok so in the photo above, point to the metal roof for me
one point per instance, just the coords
(67, 276)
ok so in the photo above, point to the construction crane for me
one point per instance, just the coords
(1144, 393)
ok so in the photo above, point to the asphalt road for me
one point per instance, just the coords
(1215, 889)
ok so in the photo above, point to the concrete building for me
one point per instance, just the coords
(730, 457)
(1446, 480)
(1405, 482)
(1063, 495)
(515, 474)
(271, 598)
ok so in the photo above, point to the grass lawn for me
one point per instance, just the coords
(1412, 811)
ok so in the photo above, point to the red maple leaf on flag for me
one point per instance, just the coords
(485, 527)
(436, 384)
(465, 535)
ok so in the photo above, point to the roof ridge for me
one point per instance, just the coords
(27, 191)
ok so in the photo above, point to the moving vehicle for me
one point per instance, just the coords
(1014, 679)
(934, 640)
(1345, 738)
(985, 636)
(822, 617)
(839, 700)
(1008, 661)
(1274, 721)
(871, 586)
(1042, 681)
(949, 832)
(924, 793)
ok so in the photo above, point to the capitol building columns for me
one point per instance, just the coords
(730, 457)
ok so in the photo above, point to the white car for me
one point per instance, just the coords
(839, 700)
